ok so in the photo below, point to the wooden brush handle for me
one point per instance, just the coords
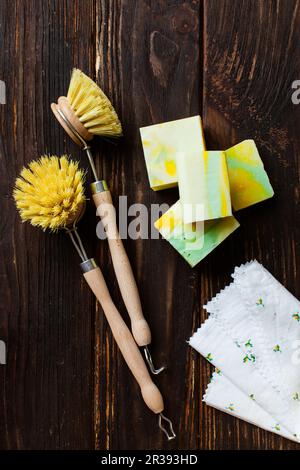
(125, 341)
(139, 326)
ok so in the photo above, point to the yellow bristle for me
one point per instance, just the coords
(50, 193)
(92, 107)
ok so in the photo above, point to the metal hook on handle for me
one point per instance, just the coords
(150, 362)
(170, 434)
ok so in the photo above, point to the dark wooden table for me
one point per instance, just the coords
(65, 385)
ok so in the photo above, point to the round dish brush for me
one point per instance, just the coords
(85, 112)
(50, 195)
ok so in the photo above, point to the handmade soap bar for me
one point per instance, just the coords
(203, 185)
(249, 182)
(161, 142)
(193, 241)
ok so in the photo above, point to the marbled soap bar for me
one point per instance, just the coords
(194, 241)
(161, 142)
(249, 182)
(203, 185)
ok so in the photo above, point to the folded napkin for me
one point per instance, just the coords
(252, 336)
(223, 395)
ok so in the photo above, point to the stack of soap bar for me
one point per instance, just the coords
(249, 182)
(193, 241)
(162, 142)
(203, 185)
(211, 183)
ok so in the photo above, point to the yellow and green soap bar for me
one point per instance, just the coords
(249, 182)
(162, 142)
(203, 186)
(196, 240)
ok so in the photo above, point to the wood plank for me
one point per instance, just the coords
(147, 55)
(46, 399)
(148, 61)
(250, 62)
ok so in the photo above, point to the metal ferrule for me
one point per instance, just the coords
(99, 187)
(88, 265)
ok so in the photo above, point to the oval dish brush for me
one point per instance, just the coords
(84, 113)
(50, 195)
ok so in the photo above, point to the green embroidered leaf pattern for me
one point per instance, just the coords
(277, 348)
(252, 397)
(277, 427)
(249, 358)
(260, 303)
(209, 357)
(230, 407)
(248, 344)
(296, 316)
(296, 396)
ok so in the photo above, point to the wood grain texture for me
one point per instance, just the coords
(146, 51)
(233, 61)
(250, 62)
(46, 399)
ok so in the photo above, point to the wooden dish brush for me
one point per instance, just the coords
(84, 113)
(50, 194)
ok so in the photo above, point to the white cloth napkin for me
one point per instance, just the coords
(223, 395)
(253, 337)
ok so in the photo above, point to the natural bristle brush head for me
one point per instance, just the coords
(49, 193)
(86, 110)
